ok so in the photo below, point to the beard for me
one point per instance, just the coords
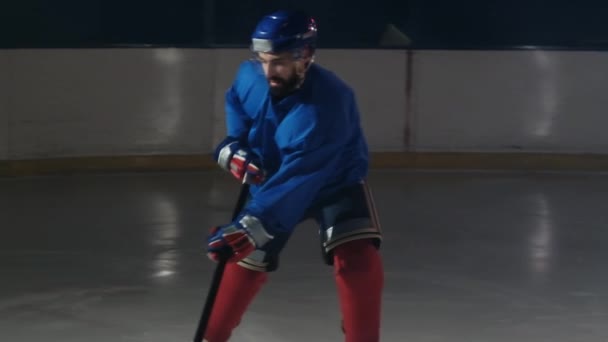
(283, 87)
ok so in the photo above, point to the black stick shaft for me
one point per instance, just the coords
(218, 274)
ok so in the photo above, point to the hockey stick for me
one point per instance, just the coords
(219, 272)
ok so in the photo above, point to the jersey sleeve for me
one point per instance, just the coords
(309, 143)
(237, 120)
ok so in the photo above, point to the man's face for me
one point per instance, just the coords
(283, 72)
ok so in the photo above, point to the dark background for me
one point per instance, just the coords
(342, 24)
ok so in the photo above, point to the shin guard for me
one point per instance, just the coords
(238, 288)
(359, 277)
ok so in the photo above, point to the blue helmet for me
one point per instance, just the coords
(284, 31)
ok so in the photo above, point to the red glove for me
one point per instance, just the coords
(242, 163)
(237, 239)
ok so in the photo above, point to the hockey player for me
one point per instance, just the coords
(294, 134)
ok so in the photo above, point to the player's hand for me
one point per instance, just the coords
(241, 163)
(237, 239)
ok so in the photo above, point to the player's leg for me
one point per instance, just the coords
(351, 238)
(238, 289)
(241, 283)
(359, 278)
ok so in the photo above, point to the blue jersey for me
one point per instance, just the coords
(310, 143)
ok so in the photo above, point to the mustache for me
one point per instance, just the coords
(276, 79)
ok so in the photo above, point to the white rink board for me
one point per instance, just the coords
(542, 101)
(109, 102)
(138, 101)
(5, 85)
